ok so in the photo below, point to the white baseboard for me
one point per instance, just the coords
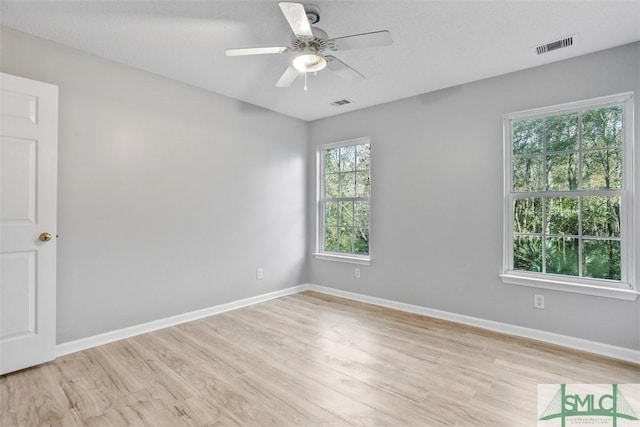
(108, 337)
(602, 349)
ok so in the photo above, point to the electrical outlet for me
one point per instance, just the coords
(357, 273)
(538, 301)
(259, 274)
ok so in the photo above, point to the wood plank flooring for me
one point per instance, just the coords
(302, 360)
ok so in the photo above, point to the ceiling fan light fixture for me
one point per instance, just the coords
(309, 62)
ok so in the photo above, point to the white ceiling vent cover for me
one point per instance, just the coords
(341, 102)
(567, 41)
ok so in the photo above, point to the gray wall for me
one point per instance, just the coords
(436, 225)
(169, 197)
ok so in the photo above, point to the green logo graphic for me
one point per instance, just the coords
(564, 406)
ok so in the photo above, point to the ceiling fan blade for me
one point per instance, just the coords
(297, 19)
(343, 70)
(288, 77)
(377, 38)
(254, 51)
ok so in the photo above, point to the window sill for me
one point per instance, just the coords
(353, 259)
(513, 278)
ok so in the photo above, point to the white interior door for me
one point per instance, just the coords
(28, 175)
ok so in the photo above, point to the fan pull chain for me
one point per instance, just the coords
(305, 81)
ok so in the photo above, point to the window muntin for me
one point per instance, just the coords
(568, 191)
(344, 199)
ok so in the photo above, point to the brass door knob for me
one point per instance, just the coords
(45, 237)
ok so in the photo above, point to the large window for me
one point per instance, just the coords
(343, 200)
(568, 194)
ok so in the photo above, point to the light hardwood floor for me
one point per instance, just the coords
(306, 360)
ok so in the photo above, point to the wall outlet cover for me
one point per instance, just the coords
(538, 301)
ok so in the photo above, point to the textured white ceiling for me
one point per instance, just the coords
(437, 44)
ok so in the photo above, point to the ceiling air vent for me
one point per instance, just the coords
(555, 45)
(341, 102)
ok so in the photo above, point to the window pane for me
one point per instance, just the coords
(332, 185)
(332, 160)
(348, 184)
(528, 215)
(361, 241)
(363, 156)
(562, 172)
(347, 158)
(362, 184)
(562, 132)
(601, 216)
(527, 174)
(345, 239)
(331, 239)
(527, 136)
(527, 253)
(602, 127)
(345, 200)
(361, 214)
(602, 259)
(602, 169)
(331, 213)
(346, 214)
(562, 256)
(567, 171)
(562, 215)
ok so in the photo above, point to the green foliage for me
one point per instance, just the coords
(527, 253)
(562, 172)
(332, 160)
(562, 215)
(602, 169)
(331, 239)
(562, 132)
(601, 216)
(363, 184)
(562, 256)
(528, 136)
(575, 152)
(347, 184)
(557, 136)
(332, 185)
(527, 174)
(602, 127)
(347, 227)
(346, 218)
(602, 259)
(528, 215)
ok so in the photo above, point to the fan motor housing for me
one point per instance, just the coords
(317, 44)
(313, 13)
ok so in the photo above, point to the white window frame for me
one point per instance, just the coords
(320, 253)
(625, 288)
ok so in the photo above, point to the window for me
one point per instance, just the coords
(568, 197)
(344, 193)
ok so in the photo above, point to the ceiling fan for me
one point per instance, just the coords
(309, 44)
